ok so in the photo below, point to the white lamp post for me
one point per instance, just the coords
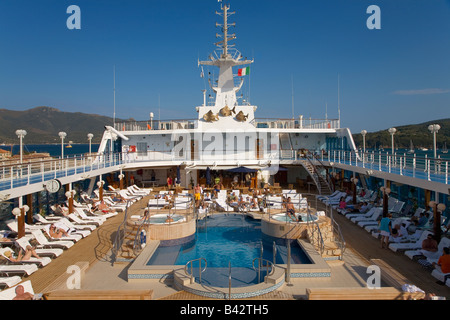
(21, 134)
(62, 135)
(90, 136)
(363, 133)
(151, 120)
(434, 128)
(392, 131)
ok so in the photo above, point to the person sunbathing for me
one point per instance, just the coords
(56, 233)
(30, 252)
(22, 295)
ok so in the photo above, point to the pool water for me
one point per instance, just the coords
(228, 239)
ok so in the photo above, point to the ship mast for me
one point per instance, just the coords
(225, 61)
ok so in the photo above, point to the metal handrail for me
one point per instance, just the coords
(311, 223)
(260, 265)
(120, 236)
(200, 271)
(145, 222)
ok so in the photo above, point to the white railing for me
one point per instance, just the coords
(19, 175)
(431, 169)
(33, 172)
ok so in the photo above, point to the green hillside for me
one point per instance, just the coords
(417, 133)
(43, 124)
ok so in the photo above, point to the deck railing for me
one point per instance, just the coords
(34, 172)
(431, 169)
(269, 123)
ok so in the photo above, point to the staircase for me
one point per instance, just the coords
(322, 185)
(126, 245)
(326, 241)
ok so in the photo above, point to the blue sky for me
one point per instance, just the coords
(397, 75)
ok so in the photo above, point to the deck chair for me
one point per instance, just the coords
(43, 241)
(372, 220)
(10, 293)
(409, 245)
(42, 252)
(40, 262)
(80, 222)
(71, 237)
(431, 256)
(12, 224)
(97, 220)
(84, 230)
(9, 281)
(17, 269)
(366, 217)
(353, 215)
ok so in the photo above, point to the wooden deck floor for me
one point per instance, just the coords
(97, 245)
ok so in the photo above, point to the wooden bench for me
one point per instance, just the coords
(384, 293)
(394, 278)
(99, 295)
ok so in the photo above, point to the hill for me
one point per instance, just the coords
(43, 124)
(417, 133)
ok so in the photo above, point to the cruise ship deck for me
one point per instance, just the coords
(101, 276)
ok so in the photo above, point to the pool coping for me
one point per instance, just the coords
(139, 270)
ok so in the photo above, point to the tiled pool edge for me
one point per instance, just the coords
(140, 271)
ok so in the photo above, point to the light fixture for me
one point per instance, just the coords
(21, 134)
(434, 128)
(62, 135)
(392, 131)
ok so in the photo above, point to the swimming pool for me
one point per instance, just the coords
(283, 217)
(228, 239)
(163, 219)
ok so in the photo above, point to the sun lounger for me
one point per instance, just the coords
(409, 245)
(70, 237)
(430, 256)
(368, 217)
(9, 281)
(40, 262)
(16, 269)
(80, 223)
(42, 252)
(83, 229)
(97, 220)
(10, 293)
(43, 241)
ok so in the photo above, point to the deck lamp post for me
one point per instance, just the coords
(392, 131)
(20, 214)
(363, 133)
(62, 135)
(70, 195)
(354, 183)
(434, 128)
(21, 134)
(438, 208)
(90, 136)
(151, 120)
(386, 192)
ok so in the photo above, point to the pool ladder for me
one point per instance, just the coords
(200, 270)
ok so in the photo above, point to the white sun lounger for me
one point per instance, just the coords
(98, 220)
(43, 241)
(81, 223)
(409, 245)
(40, 262)
(22, 269)
(71, 236)
(10, 293)
(84, 230)
(10, 281)
(431, 256)
(43, 252)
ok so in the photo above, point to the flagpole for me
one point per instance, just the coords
(292, 81)
(114, 92)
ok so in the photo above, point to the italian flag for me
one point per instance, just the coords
(244, 71)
